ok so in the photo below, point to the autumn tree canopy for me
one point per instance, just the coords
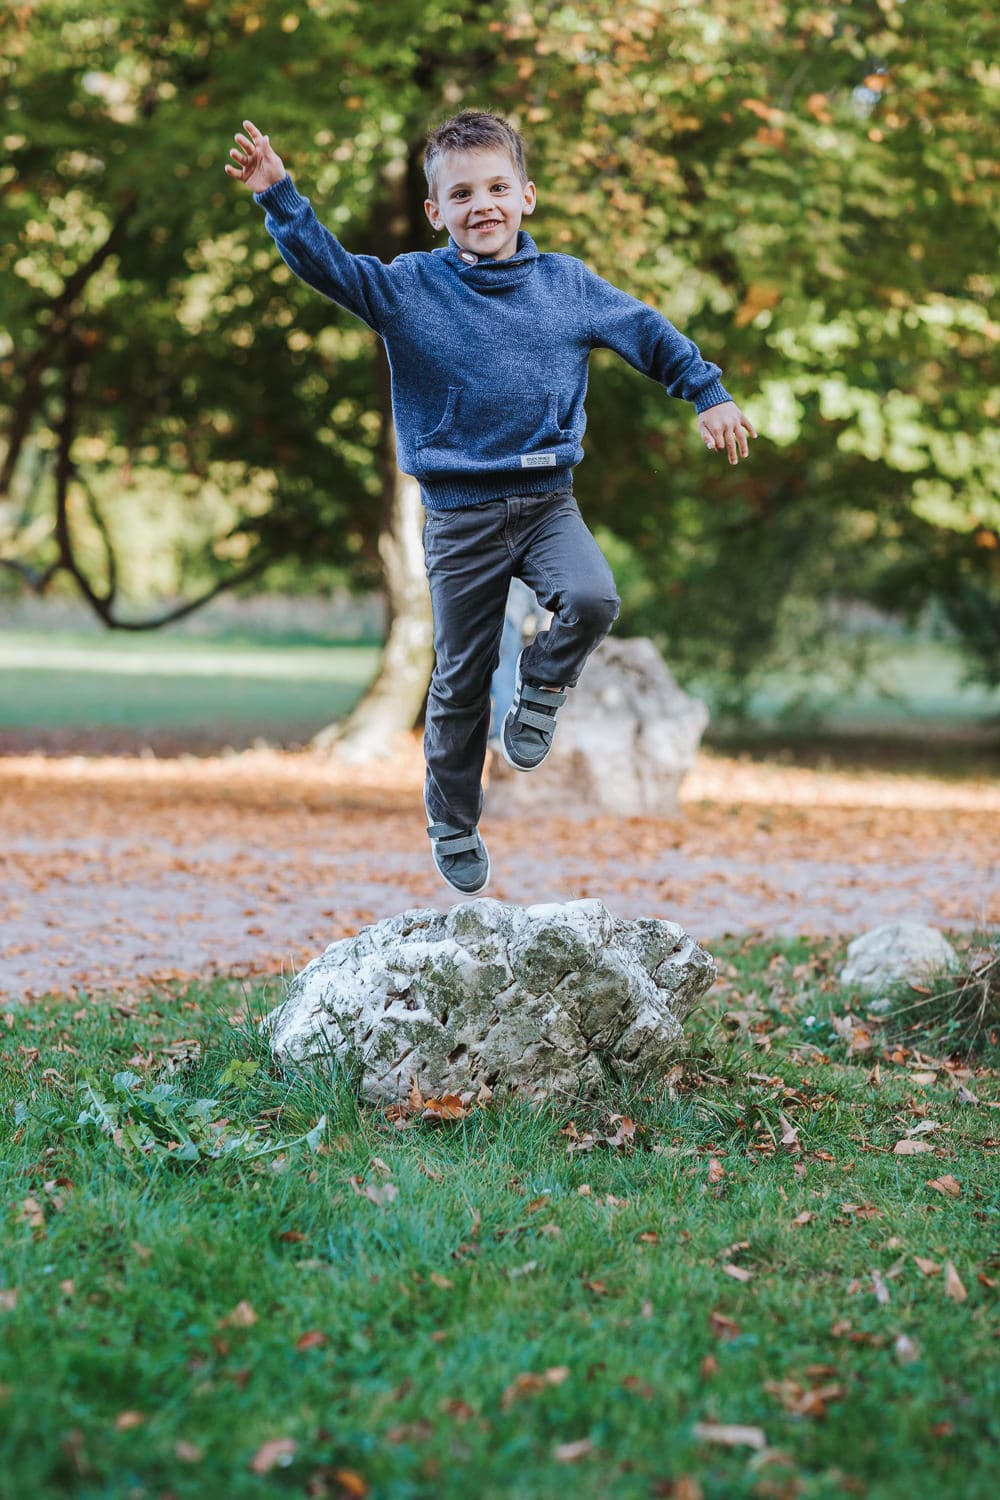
(803, 189)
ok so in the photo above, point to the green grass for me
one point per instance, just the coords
(489, 1264)
(907, 684)
(53, 680)
(148, 683)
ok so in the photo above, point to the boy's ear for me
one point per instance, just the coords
(530, 197)
(433, 213)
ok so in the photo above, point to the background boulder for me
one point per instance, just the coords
(626, 738)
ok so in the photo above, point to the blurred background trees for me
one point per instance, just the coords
(805, 190)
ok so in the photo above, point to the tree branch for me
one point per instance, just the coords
(58, 328)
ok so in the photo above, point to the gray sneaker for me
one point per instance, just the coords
(526, 738)
(461, 857)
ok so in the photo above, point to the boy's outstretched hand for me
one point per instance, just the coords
(256, 163)
(723, 426)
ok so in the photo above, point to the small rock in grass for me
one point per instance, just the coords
(898, 953)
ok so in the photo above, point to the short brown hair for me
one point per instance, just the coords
(472, 130)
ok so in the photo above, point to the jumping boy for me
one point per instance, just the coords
(488, 342)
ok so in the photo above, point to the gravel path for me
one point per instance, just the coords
(116, 873)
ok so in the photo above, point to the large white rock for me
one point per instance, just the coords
(540, 999)
(898, 953)
(626, 737)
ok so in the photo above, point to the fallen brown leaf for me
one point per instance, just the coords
(278, 1453)
(724, 1328)
(738, 1273)
(571, 1453)
(947, 1184)
(531, 1382)
(351, 1483)
(953, 1287)
(314, 1339)
(730, 1435)
(242, 1316)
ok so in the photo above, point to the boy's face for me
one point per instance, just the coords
(480, 201)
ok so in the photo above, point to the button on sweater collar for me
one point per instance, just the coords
(494, 275)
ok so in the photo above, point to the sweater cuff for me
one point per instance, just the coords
(281, 199)
(712, 395)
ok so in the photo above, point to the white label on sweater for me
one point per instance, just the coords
(538, 460)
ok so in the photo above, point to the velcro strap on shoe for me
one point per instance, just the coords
(453, 840)
(554, 697)
(532, 720)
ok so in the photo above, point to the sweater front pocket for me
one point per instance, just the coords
(496, 430)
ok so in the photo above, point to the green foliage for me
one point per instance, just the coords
(162, 1123)
(803, 191)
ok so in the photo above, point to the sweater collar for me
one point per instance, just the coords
(494, 275)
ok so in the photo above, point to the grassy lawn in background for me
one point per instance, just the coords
(59, 679)
(472, 1308)
(149, 683)
(910, 684)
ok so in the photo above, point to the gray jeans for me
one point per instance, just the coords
(471, 555)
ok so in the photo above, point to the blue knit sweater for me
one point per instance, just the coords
(489, 360)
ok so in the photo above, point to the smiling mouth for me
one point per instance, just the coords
(488, 224)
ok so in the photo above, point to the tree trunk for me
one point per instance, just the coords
(395, 699)
(394, 702)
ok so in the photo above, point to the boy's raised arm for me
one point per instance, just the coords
(362, 284)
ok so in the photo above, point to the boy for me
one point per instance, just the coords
(488, 342)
